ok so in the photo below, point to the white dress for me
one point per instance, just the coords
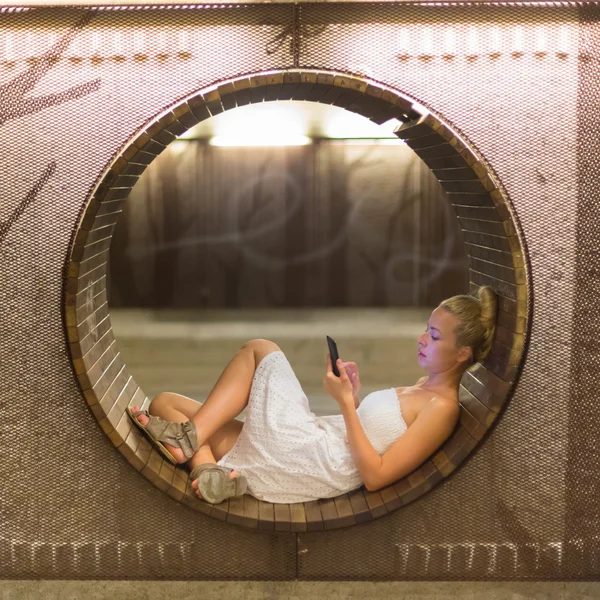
(288, 454)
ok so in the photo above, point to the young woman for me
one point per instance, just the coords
(284, 453)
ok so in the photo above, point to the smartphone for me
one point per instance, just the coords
(333, 351)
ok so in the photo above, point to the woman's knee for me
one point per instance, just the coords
(261, 348)
(262, 345)
(159, 402)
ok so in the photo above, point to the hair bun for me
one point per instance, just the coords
(488, 302)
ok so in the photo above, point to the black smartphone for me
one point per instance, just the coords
(333, 351)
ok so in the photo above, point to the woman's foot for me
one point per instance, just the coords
(232, 475)
(177, 453)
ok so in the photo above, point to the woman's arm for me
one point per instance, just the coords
(431, 428)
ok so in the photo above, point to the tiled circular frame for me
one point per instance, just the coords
(496, 256)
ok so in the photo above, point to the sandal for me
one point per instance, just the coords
(181, 435)
(214, 482)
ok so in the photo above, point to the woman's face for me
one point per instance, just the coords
(437, 351)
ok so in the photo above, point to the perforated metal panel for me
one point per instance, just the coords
(512, 80)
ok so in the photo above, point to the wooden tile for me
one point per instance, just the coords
(491, 255)
(113, 391)
(510, 338)
(329, 512)
(283, 519)
(346, 98)
(165, 474)
(116, 436)
(227, 94)
(187, 119)
(87, 317)
(152, 147)
(415, 129)
(442, 463)
(86, 238)
(511, 356)
(191, 500)
(402, 487)
(242, 91)
(345, 514)
(266, 516)
(178, 485)
(493, 396)
(446, 162)
(176, 128)
(390, 497)
(198, 108)
(289, 86)
(135, 449)
(305, 85)
(512, 322)
(250, 511)
(102, 215)
(500, 367)
(152, 467)
(332, 94)
(467, 186)
(475, 407)
(506, 274)
(145, 158)
(320, 87)
(428, 141)
(444, 150)
(258, 88)
(314, 519)
(360, 508)
(91, 249)
(83, 346)
(375, 503)
(90, 358)
(298, 517)
(432, 477)
(164, 137)
(515, 292)
(236, 510)
(98, 376)
(221, 510)
(486, 240)
(80, 284)
(274, 83)
(475, 429)
(117, 411)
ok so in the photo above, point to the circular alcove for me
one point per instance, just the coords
(496, 258)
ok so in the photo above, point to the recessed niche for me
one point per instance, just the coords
(492, 242)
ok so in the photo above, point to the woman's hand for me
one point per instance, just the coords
(339, 388)
(352, 371)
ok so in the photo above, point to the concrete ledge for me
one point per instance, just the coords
(296, 590)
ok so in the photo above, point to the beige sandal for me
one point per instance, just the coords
(180, 435)
(214, 482)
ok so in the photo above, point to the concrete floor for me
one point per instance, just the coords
(332, 590)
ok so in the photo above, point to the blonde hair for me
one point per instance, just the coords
(476, 320)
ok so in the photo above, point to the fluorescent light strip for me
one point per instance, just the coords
(282, 140)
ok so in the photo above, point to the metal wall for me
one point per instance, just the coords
(518, 82)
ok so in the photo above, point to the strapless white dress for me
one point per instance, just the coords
(288, 454)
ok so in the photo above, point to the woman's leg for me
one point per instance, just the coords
(231, 392)
(215, 419)
(178, 408)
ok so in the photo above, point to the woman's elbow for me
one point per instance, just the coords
(371, 485)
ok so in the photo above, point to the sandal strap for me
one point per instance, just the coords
(197, 471)
(180, 435)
